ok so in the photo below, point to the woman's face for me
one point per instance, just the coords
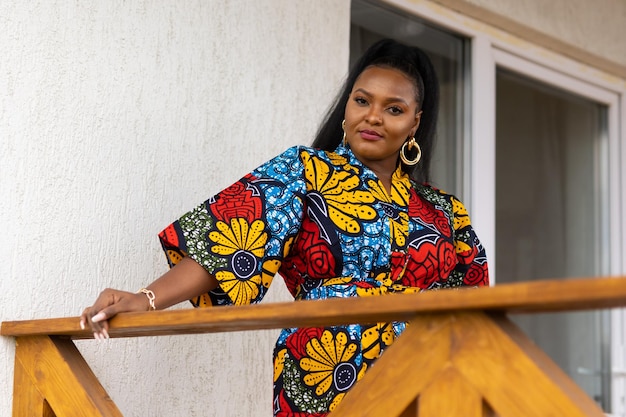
(381, 114)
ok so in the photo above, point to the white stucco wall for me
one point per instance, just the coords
(115, 118)
(596, 27)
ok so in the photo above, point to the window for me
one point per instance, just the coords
(549, 148)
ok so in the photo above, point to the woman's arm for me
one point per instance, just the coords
(184, 281)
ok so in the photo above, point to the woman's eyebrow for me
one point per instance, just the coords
(387, 100)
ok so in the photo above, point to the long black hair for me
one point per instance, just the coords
(414, 63)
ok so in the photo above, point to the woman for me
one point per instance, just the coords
(350, 216)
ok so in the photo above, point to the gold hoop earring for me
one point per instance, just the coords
(344, 140)
(411, 143)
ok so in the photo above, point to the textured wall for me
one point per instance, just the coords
(115, 118)
(597, 27)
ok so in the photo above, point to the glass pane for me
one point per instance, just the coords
(548, 215)
(372, 22)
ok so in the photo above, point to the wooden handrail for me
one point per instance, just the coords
(457, 340)
(527, 297)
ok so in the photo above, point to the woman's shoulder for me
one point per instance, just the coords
(438, 197)
(304, 154)
(449, 202)
(430, 192)
(292, 161)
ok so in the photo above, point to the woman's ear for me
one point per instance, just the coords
(418, 118)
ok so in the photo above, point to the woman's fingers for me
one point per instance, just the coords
(100, 333)
(95, 318)
(99, 317)
(108, 304)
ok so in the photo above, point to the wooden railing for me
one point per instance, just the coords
(460, 355)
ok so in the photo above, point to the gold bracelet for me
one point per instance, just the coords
(151, 297)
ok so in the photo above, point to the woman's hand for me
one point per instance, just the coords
(109, 303)
(184, 281)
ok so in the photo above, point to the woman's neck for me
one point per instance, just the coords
(384, 176)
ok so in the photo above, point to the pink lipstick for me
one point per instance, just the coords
(370, 135)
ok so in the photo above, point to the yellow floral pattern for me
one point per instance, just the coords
(240, 291)
(398, 224)
(461, 217)
(386, 282)
(324, 355)
(270, 268)
(376, 338)
(239, 235)
(279, 363)
(340, 188)
(244, 243)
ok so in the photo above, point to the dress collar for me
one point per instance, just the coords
(346, 152)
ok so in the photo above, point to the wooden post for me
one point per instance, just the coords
(411, 410)
(465, 364)
(450, 394)
(27, 400)
(53, 380)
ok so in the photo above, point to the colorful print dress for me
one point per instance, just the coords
(324, 222)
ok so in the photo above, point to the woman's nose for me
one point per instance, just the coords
(373, 115)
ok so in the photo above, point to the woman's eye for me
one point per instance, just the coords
(360, 100)
(395, 110)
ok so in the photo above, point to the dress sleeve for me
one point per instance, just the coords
(241, 235)
(471, 269)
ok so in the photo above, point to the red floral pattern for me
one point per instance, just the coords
(237, 201)
(311, 254)
(297, 341)
(468, 256)
(476, 275)
(398, 262)
(169, 235)
(420, 208)
(428, 264)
